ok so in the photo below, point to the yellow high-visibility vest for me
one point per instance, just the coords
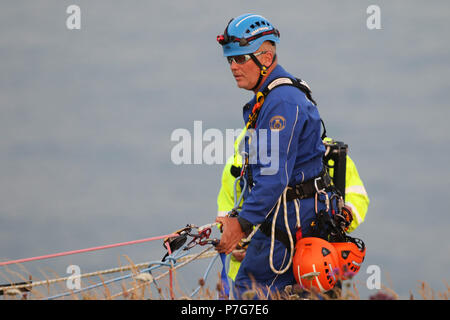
(225, 199)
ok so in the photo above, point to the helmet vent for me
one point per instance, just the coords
(345, 254)
(325, 251)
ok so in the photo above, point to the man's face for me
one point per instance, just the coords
(246, 74)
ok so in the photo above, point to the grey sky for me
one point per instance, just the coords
(86, 118)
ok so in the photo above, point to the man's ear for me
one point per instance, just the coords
(268, 58)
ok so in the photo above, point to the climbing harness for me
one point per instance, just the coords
(301, 191)
(278, 82)
(260, 97)
(331, 227)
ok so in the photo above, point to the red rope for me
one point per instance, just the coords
(66, 253)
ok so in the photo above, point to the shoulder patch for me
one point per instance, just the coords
(277, 123)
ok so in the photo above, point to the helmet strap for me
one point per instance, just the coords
(263, 69)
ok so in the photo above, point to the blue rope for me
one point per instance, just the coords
(237, 201)
(154, 264)
(205, 276)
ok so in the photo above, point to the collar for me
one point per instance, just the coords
(277, 72)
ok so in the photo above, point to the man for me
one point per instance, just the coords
(288, 115)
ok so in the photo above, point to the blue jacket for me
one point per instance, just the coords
(288, 112)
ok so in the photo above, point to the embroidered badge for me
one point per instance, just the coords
(277, 123)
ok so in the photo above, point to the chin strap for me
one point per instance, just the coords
(263, 69)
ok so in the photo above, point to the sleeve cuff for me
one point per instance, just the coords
(245, 225)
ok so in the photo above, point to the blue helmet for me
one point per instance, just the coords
(246, 33)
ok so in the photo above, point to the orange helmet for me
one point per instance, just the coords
(314, 263)
(350, 255)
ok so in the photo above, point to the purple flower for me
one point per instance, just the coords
(381, 296)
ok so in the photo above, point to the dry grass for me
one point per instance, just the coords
(142, 286)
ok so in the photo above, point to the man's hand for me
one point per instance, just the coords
(232, 234)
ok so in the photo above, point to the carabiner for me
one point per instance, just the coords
(327, 200)
(321, 191)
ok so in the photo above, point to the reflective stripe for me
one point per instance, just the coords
(317, 280)
(355, 212)
(289, 146)
(253, 15)
(356, 189)
(278, 82)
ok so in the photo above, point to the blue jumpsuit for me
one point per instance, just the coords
(289, 113)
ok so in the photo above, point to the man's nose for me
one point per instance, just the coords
(234, 65)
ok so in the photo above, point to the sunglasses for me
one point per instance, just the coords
(241, 59)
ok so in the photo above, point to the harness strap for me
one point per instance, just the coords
(304, 190)
(261, 95)
(282, 81)
(280, 235)
(298, 83)
(308, 188)
(268, 228)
